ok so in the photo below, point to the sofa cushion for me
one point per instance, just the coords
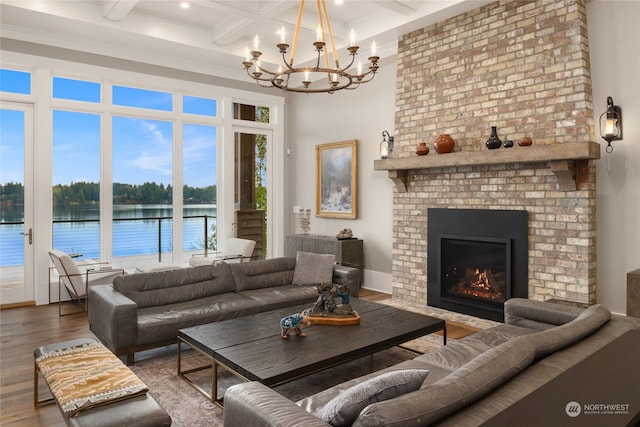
(313, 269)
(263, 273)
(551, 340)
(462, 387)
(344, 408)
(539, 315)
(174, 286)
(282, 296)
(162, 323)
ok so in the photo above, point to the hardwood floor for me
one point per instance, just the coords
(22, 330)
(373, 295)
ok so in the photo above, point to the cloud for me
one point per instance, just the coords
(157, 163)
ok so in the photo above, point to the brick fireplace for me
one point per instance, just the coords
(524, 67)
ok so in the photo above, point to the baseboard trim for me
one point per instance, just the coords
(17, 304)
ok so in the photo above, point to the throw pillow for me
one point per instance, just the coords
(313, 269)
(343, 409)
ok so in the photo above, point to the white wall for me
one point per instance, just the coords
(614, 44)
(360, 114)
(614, 37)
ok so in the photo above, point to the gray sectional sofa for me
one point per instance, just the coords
(469, 380)
(143, 311)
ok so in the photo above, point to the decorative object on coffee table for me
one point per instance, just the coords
(493, 141)
(422, 149)
(304, 219)
(444, 144)
(293, 323)
(326, 311)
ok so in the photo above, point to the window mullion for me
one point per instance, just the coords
(106, 175)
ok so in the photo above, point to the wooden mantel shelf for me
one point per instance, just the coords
(561, 160)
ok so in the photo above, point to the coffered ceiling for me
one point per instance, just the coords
(211, 35)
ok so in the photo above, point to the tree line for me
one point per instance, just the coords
(84, 193)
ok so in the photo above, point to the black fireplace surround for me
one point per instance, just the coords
(476, 260)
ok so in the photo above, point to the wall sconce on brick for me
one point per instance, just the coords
(386, 146)
(611, 124)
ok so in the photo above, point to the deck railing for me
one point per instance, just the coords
(131, 236)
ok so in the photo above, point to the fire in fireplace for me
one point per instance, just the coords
(477, 259)
(475, 267)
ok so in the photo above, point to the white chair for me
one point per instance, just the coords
(234, 250)
(77, 281)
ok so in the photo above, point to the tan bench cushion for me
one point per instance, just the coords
(87, 375)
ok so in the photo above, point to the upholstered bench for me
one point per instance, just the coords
(92, 387)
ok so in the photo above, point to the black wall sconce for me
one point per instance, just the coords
(386, 146)
(611, 124)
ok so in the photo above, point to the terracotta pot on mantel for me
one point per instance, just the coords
(444, 144)
(525, 141)
(422, 149)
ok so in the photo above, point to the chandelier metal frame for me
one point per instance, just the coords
(337, 77)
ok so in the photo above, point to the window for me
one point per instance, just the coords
(76, 183)
(199, 148)
(200, 106)
(142, 190)
(12, 187)
(251, 113)
(15, 81)
(142, 98)
(76, 90)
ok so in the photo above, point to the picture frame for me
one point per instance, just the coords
(336, 173)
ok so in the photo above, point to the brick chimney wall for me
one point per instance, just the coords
(524, 67)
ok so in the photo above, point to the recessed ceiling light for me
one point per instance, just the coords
(339, 1)
(184, 4)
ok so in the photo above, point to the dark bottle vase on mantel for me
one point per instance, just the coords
(493, 141)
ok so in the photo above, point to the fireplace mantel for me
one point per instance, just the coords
(561, 159)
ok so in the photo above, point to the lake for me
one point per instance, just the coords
(132, 235)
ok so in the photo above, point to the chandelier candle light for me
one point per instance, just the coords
(299, 79)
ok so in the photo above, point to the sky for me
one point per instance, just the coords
(142, 148)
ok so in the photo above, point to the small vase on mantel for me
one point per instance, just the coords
(422, 149)
(493, 141)
(444, 144)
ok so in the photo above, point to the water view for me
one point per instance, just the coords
(137, 230)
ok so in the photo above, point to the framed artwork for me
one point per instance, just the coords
(336, 190)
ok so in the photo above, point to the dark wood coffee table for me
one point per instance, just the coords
(251, 348)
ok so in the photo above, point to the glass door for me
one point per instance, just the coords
(250, 190)
(16, 202)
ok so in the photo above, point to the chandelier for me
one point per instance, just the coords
(313, 79)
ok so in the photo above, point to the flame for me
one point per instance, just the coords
(480, 283)
(480, 280)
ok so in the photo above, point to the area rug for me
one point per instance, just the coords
(188, 408)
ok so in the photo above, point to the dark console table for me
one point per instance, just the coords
(348, 251)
